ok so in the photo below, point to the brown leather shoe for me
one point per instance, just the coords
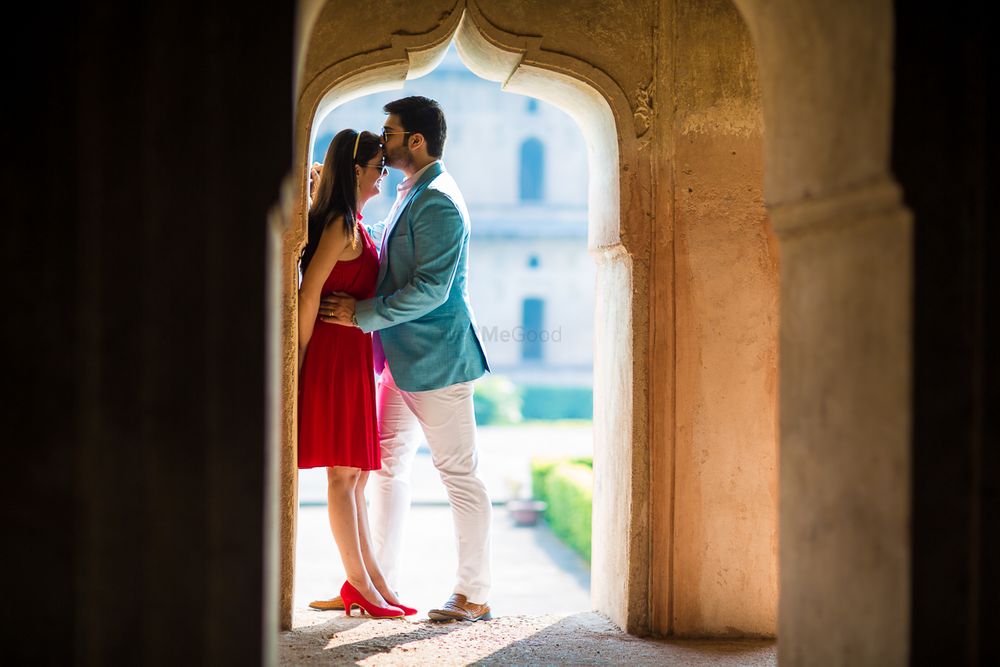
(458, 608)
(328, 605)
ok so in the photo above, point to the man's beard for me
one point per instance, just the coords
(400, 158)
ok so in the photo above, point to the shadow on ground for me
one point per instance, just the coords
(341, 637)
(590, 639)
(578, 639)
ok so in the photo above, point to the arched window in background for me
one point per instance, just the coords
(532, 321)
(532, 170)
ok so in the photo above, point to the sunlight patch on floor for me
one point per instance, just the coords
(473, 641)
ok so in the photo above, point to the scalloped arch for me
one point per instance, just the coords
(520, 65)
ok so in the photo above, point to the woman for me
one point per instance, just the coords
(337, 423)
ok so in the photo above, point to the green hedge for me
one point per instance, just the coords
(567, 486)
(496, 400)
(500, 401)
(541, 467)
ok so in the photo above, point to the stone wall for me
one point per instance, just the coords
(139, 512)
(141, 371)
(724, 577)
(845, 330)
(685, 437)
(705, 166)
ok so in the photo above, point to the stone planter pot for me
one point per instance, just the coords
(525, 512)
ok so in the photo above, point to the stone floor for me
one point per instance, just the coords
(533, 572)
(540, 600)
(583, 638)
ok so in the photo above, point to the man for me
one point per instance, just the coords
(427, 350)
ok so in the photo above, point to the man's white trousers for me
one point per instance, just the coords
(447, 419)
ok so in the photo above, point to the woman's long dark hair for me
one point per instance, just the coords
(338, 188)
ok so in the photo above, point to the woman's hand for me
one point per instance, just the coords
(315, 171)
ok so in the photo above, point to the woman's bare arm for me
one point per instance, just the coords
(332, 245)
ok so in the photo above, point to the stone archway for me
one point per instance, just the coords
(843, 236)
(663, 522)
(599, 106)
(826, 75)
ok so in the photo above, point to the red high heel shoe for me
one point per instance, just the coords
(407, 611)
(352, 597)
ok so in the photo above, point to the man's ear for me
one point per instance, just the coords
(419, 140)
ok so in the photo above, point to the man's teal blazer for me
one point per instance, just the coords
(423, 321)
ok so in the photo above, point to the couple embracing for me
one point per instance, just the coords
(391, 299)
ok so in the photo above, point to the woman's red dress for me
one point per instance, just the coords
(337, 422)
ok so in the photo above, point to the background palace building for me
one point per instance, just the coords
(522, 166)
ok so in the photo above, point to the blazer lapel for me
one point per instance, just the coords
(433, 171)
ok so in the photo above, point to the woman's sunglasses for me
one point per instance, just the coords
(380, 165)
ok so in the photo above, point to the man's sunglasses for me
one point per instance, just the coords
(384, 137)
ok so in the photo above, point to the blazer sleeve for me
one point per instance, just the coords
(438, 231)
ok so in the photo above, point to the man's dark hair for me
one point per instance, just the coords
(423, 115)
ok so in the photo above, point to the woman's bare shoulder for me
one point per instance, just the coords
(334, 232)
